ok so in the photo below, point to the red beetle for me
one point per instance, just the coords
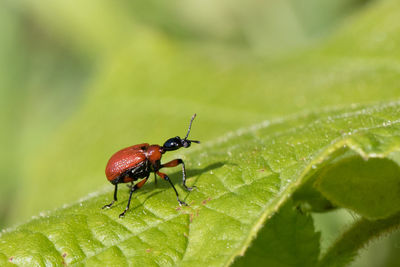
(138, 161)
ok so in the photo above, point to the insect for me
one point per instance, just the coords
(137, 162)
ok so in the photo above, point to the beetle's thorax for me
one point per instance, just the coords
(154, 153)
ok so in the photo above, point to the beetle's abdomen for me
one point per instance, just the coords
(140, 170)
(125, 160)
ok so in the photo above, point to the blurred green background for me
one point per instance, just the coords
(82, 79)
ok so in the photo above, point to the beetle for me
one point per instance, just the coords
(137, 162)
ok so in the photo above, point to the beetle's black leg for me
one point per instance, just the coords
(165, 177)
(115, 198)
(184, 177)
(133, 189)
(155, 179)
(174, 163)
(129, 203)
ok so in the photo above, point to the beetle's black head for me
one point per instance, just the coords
(175, 143)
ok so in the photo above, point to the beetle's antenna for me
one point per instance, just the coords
(190, 126)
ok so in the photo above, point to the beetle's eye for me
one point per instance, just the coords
(186, 143)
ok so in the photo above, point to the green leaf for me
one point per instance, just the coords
(242, 180)
(287, 239)
(378, 177)
(343, 251)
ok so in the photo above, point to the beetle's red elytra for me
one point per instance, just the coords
(137, 162)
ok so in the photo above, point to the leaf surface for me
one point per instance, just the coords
(242, 180)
